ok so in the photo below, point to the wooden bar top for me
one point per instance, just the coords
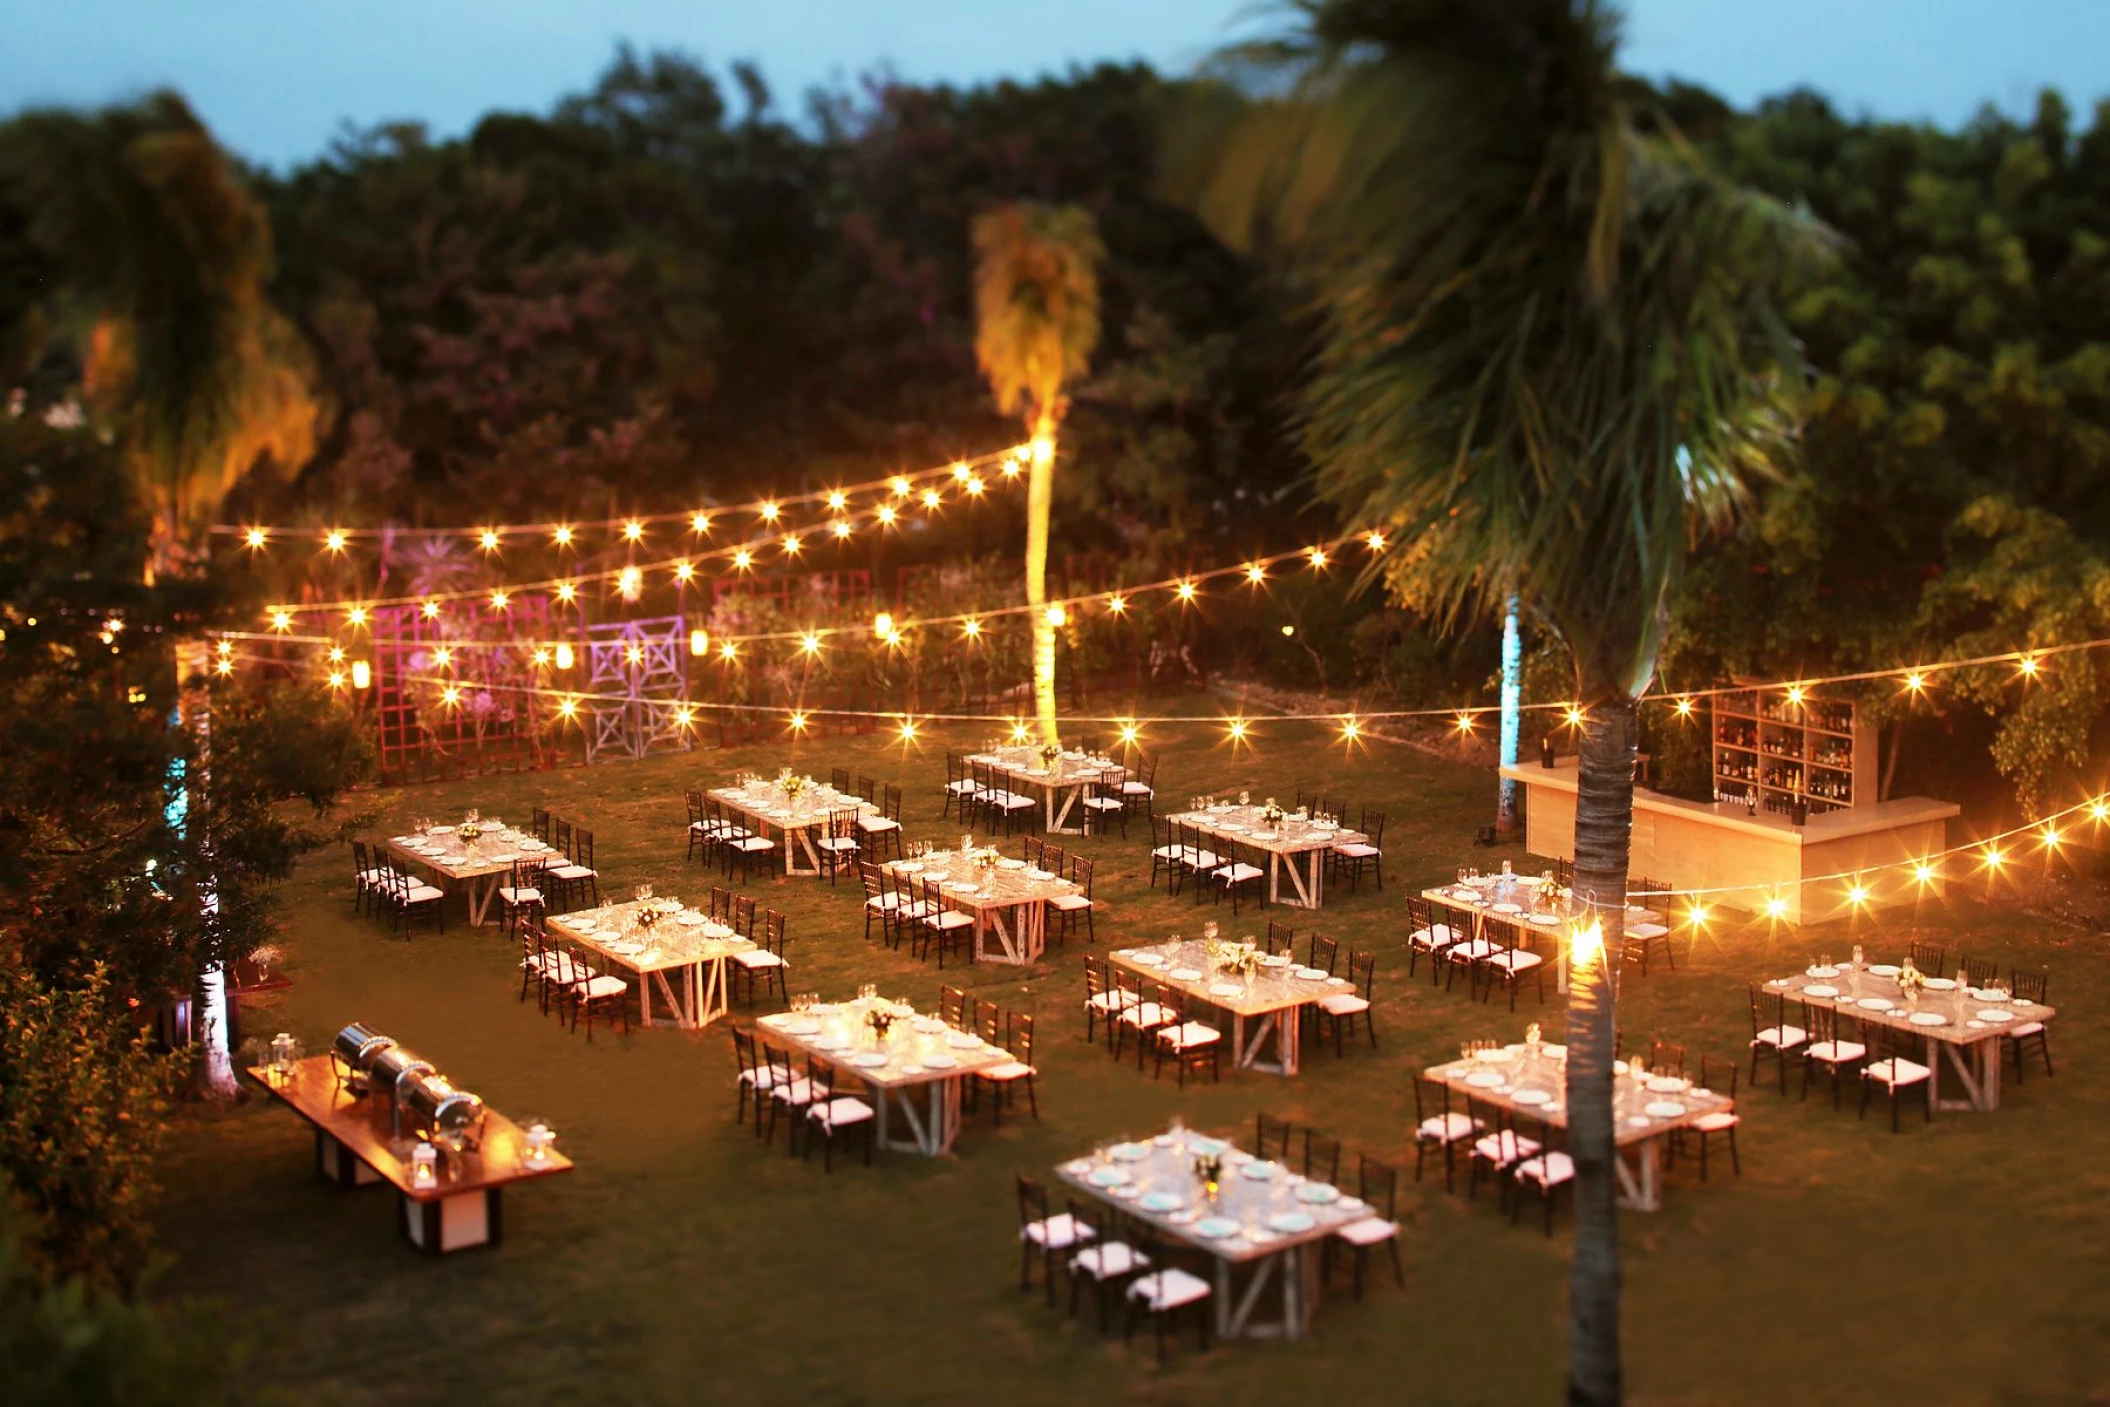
(1829, 825)
(312, 1092)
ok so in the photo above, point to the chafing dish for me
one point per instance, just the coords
(352, 1054)
(388, 1073)
(431, 1108)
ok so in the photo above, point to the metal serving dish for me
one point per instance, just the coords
(432, 1108)
(352, 1054)
(390, 1071)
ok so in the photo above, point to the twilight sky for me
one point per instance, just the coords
(275, 78)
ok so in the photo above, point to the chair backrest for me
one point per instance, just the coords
(1081, 874)
(1031, 848)
(842, 824)
(1018, 1037)
(1270, 1132)
(1053, 857)
(868, 874)
(1930, 958)
(867, 788)
(1767, 1009)
(1432, 1098)
(955, 769)
(744, 915)
(892, 809)
(1322, 1156)
(1666, 1055)
(582, 847)
(695, 800)
(1362, 971)
(1307, 797)
(359, 861)
(1720, 1075)
(744, 1049)
(1149, 771)
(1980, 972)
(1820, 1019)
(538, 823)
(560, 837)
(525, 873)
(779, 1063)
(1503, 932)
(1281, 938)
(1373, 825)
(1032, 1201)
(933, 896)
(988, 1020)
(2030, 986)
(1378, 1184)
(721, 901)
(839, 778)
(1419, 918)
(774, 930)
(532, 940)
(1094, 978)
(1325, 953)
(952, 1006)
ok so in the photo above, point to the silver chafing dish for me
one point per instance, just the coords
(352, 1054)
(430, 1107)
(389, 1071)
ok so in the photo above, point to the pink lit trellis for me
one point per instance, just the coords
(644, 661)
(490, 723)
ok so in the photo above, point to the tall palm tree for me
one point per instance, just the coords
(1546, 354)
(1036, 302)
(164, 258)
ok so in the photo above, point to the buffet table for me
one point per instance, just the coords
(458, 1209)
(1751, 860)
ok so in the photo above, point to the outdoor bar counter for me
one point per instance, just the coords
(1703, 845)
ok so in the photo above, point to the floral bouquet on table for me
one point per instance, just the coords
(471, 829)
(1911, 981)
(791, 785)
(985, 860)
(1239, 959)
(1271, 815)
(881, 1019)
(1049, 755)
(1209, 1171)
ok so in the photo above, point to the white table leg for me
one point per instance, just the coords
(480, 903)
(714, 999)
(1638, 1183)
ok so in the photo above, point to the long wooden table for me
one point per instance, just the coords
(1009, 902)
(1967, 1035)
(1272, 1001)
(1482, 901)
(352, 1148)
(692, 954)
(766, 808)
(1265, 1223)
(1533, 1082)
(480, 869)
(898, 1071)
(1294, 848)
(1061, 788)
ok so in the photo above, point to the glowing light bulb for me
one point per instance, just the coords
(355, 616)
(1185, 591)
(2051, 837)
(1776, 907)
(1238, 730)
(810, 643)
(281, 618)
(838, 501)
(563, 536)
(699, 642)
(684, 570)
(567, 592)
(431, 610)
(1795, 694)
(1042, 448)
(336, 679)
(564, 656)
(900, 486)
(568, 707)
(488, 540)
(450, 696)
(2029, 666)
(542, 658)
(1350, 730)
(498, 600)
(633, 531)
(730, 650)
(791, 544)
(225, 666)
(1923, 872)
(254, 537)
(1255, 573)
(336, 654)
(770, 511)
(1993, 857)
(2099, 810)
(886, 514)
(362, 674)
(1575, 716)
(225, 647)
(1857, 895)
(630, 581)
(1915, 681)
(1128, 734)
(335, 539)
(1057, 616)
(635, 654)
(908, 731)
(443, 657)
(684, 716)
(972, 629)
(743, 559)
(699, 522)
(1465, 723)
(975, 486)
(1684, 707)
(1116, 604)
(1375, 541)
(1018, 731)
(798, 722)
(1012, 466)
(1318, 557)
(1697, 915)
(931, 499)
(959, 471)
(842, 527)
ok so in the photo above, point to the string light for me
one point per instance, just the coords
(1684, 707)
(1575, 716)
(2051, 837)
(683, 570)
(1318, 559)
(900, 487)
(1018, 731)
(1057, 616)
(699, 642)
(1012, 466)
(908, 730)
(1795, 694)
(2099, 810)
(1238, 730)
(564, 656)
(1255, 573)
(430, 610)
(1697, 915)
(684, 716)
(1857, 895)
(225, 667)
(743, 559)
(499, 600)
(336, 654)
(254, 538)
(1993, 857)
(568, 707)
(798, 722)
(563, 536)
(443, 657)
(633, 531)
(842, 528)
(1129, 734)
(1776, 907)
(791, 544)
(566, 592)
(811, 644)
(2028, 666)
(972, 629)
(281, 618)
(729, 651)
(1924, 873)
(1915, 682)
(700, 523)
(975, 486)
(1185, 591)
(838, 501)
(1375, 541)
(450, 696)
(336, 679)
(631, 583)
(355, 616)
(770, 511)
(488, 540)
(1350, 729)
(334, 539)
(635, 654)
(883, 624)
(362, 674)
(542, 658)
(959, 471)
(886, 515)
(931, 499)
(1116, 603)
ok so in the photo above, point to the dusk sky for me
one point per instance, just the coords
(275, 80)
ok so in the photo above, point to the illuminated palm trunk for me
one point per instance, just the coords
(1604, 816)
(1040, 501)
(1512, 717)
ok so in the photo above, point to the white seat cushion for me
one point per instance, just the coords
(1191, 1036)
(760, 957)
(1108, 1260)
(1645, 930)
(1505, 1147)
(519, 896)
(1168, 1289)
(754, 844)
(1786, 1037)
(572, 872)
(1201, 859)
(1343, 1004)
(1136, 789)
(877, 823)
(841, 844)
(1012, 801)
(1146, 1014)
(1102, 803)
(1836, 1052)
(1515, 960)
(1473, 950)
(1240, 874)
(2027, 1028)
(1552, 1170)
(1895, 1073)
(1069, 903)
(1719, 1121)
(1445, 1128)
(597, 987)
(798, 1093)
(1167, 852)
(1057, 1233)
(950, 919)
(1439, 935)
(1105, 1001)
(1370, 1231)
(1357, 851)
(840, 1111)
(424, 894)
(1009, 1070)
(566, 970)
(963, 787)
(883, 901)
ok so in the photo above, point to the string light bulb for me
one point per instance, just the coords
(443, 657)
(1915, 682)
(1857, 895)
(1318, 558)
(2099, 810)
(959, 470)
(842, 527)
(1697, 915)
(1375, 541)
(838, 501)
(791, 544)
(729, 651)
(1993, 857)
(1350, 729)
(431, 610)
(488, 540)
(633, 531)
(1057, 616)
(450, 696)
(1465, 723)
(699, 642)
(1128, 734)
(971, 628)
(975, 486)
(1924, 873)
(541, 658)
(2051, 837)
(1776, 907)
(770, 511)
(336, 654)
(699, 522)
(1018, 731)
(886, 514)
(810, 643)
(335, 539)
(1684, 707)
(255, 538)
(355, 616)
(563, 535)
(908, 730)
(362, 674)
(568, 707)
(931, 500)
(743, 559)
(567, 592)
(1185, 591)
(1238, 730)
(798, 722)
(2028, 666)
(564, 656)
(684, 570)
(1255, 573)
(1012, 466)
(1795, 694)
(1116, 604)
(281, 618)
(630, 582)
(499, 600)
(883, 624)
(635, 654)
(684, 716)
(336, 679)
(1575, 716)
(900, 486)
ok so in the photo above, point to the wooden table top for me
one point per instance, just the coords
(1246, 826)
(312, 1091)
(1639, 1113)
(1072, 769)
(1158, 1185)
(1964, 1011)
(494, 854)
(969, 888)
(1483, 899)
(766, 801)
(1272, 988)
(670, 944)
(836, 1034)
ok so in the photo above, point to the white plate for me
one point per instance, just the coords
(1215, 1228)
(1544, 920)
(1995, 1016)
(691, 919)
(1668, 1084)
(1310, 974)
(1107, 1177)
(1819, 989)
(1663, 1108)
(1032, 873)
(1940, 984)
(1147, 959)
(1206, 1147)
(1186, 974)
(1531, 1098)
(1129, 1152)
(869, 1060)
(1160, 1202)
(802, 1028)
(1260, 1171)
(1495, 1055)
(1226, 989)
(1486, 1079)
(1874, 1003)
(1985, 994)
(1276, 960)
(1928, 1018)
(1506, 908)
(961, 1040)
(1291, 1223)
(1884, 969)
(1007, 863)
(1318, 1194)
(940, 1061)
(1823, 971)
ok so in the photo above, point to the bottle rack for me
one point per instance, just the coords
(1770, 752)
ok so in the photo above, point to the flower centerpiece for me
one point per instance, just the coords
(881, 1019)
(1239, 959)
(1209, 1171)
(1271, 815)
(985, 859)
(1911, 981)
(790, 784)
(1049, 754)
(470, 830)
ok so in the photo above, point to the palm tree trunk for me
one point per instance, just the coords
(1604, 816)
(1040, 501)
(1512, 717)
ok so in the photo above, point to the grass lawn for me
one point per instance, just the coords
(682, 1262)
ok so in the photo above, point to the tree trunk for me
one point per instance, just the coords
(1040, 500)
(1512, 718)
(212, 1063)
(1604, 815)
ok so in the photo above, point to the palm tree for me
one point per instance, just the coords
(164, 257)
(1546, 355)
(1036, 302)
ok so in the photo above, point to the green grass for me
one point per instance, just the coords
(682, 1262)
